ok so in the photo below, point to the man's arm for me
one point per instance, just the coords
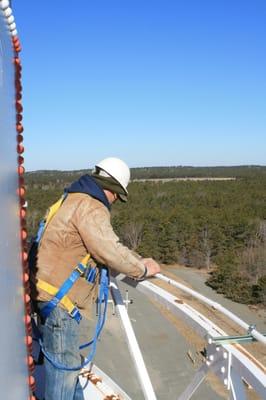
(104, 246)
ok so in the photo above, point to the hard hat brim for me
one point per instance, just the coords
(122, 197)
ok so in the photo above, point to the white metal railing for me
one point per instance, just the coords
(249, 328)
(231, 364)
(133, 346)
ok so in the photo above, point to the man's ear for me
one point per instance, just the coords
(109, 195)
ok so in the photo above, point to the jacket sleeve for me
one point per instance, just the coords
(103, 244)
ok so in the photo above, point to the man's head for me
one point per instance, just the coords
(113, 175)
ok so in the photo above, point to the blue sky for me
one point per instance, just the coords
(153, 82)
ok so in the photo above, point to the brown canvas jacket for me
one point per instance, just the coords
(81, 225)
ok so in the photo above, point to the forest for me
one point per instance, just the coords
(219, 226)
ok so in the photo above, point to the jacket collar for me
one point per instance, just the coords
(86, 184)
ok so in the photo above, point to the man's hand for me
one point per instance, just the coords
(152, 266)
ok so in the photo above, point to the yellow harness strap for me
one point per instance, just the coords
(52, 210)
(52, 290)
(45, 286)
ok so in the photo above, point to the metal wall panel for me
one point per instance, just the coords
(13, 366)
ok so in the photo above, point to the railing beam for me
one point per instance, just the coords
(249, 328)
(133, 346)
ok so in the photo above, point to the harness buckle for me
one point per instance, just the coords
(80, 268)
(74, 313)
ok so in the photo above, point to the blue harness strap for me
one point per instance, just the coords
(40, 231)
(90, 274)
(102, 299)
(87, 272)
(64, 289)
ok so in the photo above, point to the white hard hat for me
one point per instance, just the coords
(117, 169)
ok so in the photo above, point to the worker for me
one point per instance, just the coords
(81, 226)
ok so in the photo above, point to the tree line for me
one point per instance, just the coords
(216, 225)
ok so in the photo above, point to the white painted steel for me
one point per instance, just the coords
(13, 350)
(247, 370)
(13, 365)
(237, 390)
(104, 388)
(199, 378)
(257, 335)
(133, 346)
(195, 383)
(242, 365)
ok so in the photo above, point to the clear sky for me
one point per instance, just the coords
(179, 82)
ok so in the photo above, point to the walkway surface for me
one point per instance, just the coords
(166, 344)
(165, 353)
(171, 350)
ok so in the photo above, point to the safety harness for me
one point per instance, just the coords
(84, 270)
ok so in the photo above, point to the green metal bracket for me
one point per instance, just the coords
(233, 339)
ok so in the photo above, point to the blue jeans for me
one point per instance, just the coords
(61, 339)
